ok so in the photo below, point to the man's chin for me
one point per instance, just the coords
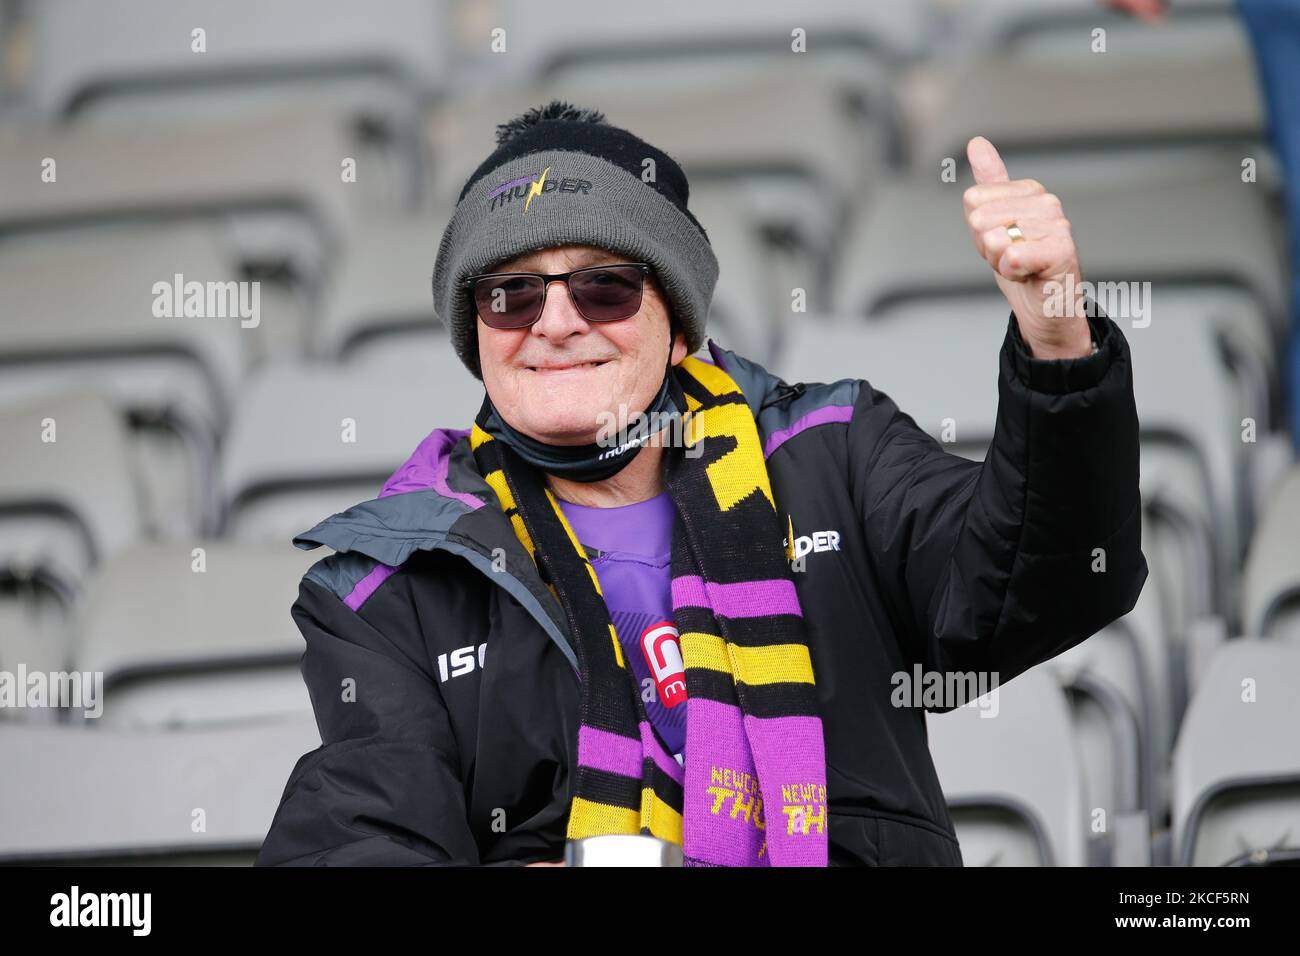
(573, 429)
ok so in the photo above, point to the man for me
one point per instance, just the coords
(546, 629)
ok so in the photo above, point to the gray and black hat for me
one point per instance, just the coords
(564, 175)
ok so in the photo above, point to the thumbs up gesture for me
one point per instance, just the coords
(1021, 231)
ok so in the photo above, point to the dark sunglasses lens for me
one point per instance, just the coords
(607, 293)
(509, 302)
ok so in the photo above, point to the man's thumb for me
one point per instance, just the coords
(985, 162)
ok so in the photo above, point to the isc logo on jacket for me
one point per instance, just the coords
(462, 662)
(663, 655)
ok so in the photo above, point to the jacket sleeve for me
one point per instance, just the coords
(383, 788)
(995, 567)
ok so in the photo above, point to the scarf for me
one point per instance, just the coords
(753, 788)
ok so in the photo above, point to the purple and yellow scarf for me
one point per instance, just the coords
(753, 789)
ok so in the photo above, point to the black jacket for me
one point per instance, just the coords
(445, 685)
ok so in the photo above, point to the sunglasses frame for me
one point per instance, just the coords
(549, 277)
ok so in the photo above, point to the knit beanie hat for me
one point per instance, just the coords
(563, 175)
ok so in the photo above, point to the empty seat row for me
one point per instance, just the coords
(1016, 792)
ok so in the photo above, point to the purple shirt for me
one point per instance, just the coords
(635, 574)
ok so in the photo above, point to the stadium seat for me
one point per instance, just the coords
(1161, 227)
(291, 459)
(1121, 704)
(1143, 111)
(1271, 584)
(183, 797)
(66, 504)
(379, 296)
(89, 60)
(1236, 769)
(1013, 781)
(859, 49)
(576, 37)
(171, 376)
(189, 634)
(277, 177)
(1050, 30)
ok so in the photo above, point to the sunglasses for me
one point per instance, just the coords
(514, 300)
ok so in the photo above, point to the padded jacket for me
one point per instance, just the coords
(444, 680)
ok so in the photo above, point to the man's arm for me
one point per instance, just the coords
(999, 566)
(383, 788)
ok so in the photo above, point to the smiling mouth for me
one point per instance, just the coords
(552, 369)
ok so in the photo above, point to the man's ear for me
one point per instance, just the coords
(679, 347)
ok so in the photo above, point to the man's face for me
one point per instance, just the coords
(565, 406)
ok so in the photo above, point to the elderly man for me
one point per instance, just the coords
(660, 593)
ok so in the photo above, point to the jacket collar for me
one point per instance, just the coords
(437, 500)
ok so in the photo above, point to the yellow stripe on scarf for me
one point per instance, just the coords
(659, 818)
(589, 818)
(736, 474)
(710, 376)
(773, 664)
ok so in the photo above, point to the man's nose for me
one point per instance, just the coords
(560, 317)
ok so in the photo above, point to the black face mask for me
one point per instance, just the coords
(593, 462)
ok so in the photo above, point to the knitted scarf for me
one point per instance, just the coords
(753, 789)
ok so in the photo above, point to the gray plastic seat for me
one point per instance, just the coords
(577, 34)
(173, 377)
(277, 176)
(1054, 29)
(89, 58)
(1163, 227)
(1271, 584)
(1013, 781)
(1236, 769)
(380, 289)
(35, 629)
(1122, 708)
(1131, 103)
(68, 503)
(99, 796)
(180, 647)
(286, 464)
(858, 48)
(65, 506)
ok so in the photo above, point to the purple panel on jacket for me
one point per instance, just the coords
(427, 468)
(820, 416)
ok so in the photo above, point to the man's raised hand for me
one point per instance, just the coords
(1042, 264)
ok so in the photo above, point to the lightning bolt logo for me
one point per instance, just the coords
(789, 538)
(535, 189)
